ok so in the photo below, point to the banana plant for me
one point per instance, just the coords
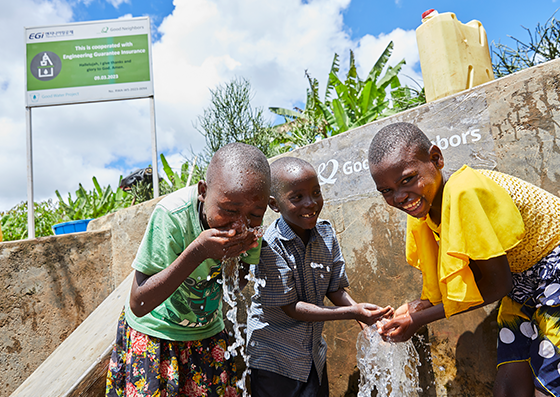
(93, 204)
(184, 177)
(350, 103)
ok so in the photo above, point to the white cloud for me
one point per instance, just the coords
(370, 48)
(203, 43)
(117, 3)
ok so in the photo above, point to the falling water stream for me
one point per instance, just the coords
(390, 368)
(231, 290)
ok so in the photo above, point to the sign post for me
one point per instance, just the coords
(87, 62)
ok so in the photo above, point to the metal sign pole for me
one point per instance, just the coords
(30, 205)
(155, 175)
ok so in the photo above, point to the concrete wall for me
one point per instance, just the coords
(49, 285)
(511, 125)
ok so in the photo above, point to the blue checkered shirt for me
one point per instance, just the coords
(289, 272)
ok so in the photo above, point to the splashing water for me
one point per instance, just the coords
(230, 265)
(390, 368)
(230, 275)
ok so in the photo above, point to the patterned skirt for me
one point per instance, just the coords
(529, 322)
(145, 366)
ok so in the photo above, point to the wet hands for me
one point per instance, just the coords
(398, 329)
(369, 313)
(402, 326)
(227, 243)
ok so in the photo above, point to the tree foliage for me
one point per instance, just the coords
(348, 102)
(187, 175)
(14, 221)
(231, 118)
(92, 204)
(543, 45)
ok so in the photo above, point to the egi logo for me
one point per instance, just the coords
(51, 34)
(36, 36)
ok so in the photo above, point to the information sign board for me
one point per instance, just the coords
(88, 62)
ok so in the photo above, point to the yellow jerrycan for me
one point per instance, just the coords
(453, 56)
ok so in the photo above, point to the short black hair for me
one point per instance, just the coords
(278, 167)
(240, 157)
(394, 136)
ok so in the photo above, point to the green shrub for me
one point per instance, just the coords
(93, 204)
(14, 221)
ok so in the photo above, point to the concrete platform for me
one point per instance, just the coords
(78, 367)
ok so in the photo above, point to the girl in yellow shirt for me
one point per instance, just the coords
(477, 236)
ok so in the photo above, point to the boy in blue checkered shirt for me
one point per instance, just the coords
(301, 263)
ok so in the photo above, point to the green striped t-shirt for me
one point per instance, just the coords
(194, 310)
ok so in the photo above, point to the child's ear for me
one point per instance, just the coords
(273, 204)
(436, 157)
(202, 190)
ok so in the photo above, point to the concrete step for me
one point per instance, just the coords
(78, 367)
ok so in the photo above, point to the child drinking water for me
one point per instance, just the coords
(300, 264)
(170, 338)
(477, 236)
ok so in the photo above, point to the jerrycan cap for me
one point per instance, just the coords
(428, 14)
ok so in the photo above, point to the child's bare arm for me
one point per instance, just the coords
(409, 318)
(346, 309)
(148, 292)
(493, 279)
(341, 297)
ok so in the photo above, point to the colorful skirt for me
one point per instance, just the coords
(145, 366)
(529, 322)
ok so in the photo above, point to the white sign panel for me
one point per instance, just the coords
(88, 62)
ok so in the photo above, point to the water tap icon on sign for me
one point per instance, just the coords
(47, 67)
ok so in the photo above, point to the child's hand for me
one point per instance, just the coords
(399, 329)
(369, 314)
(412, 307)
(218, 244)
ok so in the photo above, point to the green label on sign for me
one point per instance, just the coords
(88, 62)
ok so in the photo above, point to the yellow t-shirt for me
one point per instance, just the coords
(485, 214)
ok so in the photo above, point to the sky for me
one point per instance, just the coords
(198, 45)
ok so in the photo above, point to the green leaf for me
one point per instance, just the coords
(327, 114)
(167, 169)
(366, 98)
(333, 72)
(97, 187)
(340, 116)
(390, 74)
(286, 112)
(381, 62)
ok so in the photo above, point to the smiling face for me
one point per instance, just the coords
(411, 180)
(234, 199)
(298, 198)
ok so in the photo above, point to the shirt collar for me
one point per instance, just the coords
(286, 232)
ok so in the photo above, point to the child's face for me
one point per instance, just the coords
(230, 203)
(300, 200)
(411, 181)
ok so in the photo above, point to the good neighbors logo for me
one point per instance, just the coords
(329, 171)
(458, 139)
